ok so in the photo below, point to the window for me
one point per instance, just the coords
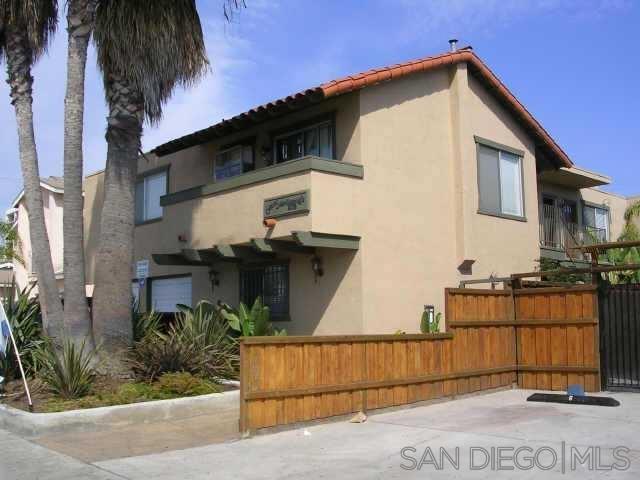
(168, 293)
(271, 282)
(315, 140)
(148, 193)
(233, 161)
(596, 222)
(500, 182)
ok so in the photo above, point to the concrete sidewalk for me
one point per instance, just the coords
(372, 449)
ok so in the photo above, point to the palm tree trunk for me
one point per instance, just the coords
(80, 19)
(114, 262)
(20, 83)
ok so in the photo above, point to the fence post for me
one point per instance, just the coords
(244, 368)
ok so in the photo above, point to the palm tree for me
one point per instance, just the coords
(628, 255)
(145, 50)
(631, 231)
(80, 20)
(25, 29)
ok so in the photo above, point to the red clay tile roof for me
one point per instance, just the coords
(373, 77)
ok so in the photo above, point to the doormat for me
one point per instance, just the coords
(574, 399)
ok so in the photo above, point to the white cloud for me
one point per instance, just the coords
(484, 16)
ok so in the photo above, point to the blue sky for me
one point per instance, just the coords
(573, 63)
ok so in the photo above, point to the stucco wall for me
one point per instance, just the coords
(419, 200)
(93, 187)
(406, 210)
(52, 203)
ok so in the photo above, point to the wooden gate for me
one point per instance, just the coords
(555, 331)
(620, 336)
(557, 338)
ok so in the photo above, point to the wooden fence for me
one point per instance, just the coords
(540, 338)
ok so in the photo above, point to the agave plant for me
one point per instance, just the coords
(68, 372)
(198, 343)
(145, 323)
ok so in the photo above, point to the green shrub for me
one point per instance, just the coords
(185, 385)
(162, 353)
(23, 313)
(430, 327)
(251, 322)
(198, 343)
(68, 373)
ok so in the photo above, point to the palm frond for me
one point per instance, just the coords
(37, 19)
(155, 46)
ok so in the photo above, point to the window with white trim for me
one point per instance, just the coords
(148, 192)
(500, 182)
(233, 161)
(596, 222)
(314, 140)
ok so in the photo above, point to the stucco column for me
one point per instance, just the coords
(463, 155)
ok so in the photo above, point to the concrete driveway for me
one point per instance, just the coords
(485, 432)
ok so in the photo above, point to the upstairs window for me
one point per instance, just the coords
(148, 192)
(233, 161)
(596, 222)
(500, 182)
(314, 140)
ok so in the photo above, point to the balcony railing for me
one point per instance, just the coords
(557, 233)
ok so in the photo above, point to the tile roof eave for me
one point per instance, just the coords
(372, 77)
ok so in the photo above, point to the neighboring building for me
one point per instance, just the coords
(351, 205)
(52, 198)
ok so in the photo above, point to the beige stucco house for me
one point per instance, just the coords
(351, 205)
(52, 198)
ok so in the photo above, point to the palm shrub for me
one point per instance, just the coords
(25, 318)
(68, 372)
(251, 322)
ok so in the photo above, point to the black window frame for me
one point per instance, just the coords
(279, 313)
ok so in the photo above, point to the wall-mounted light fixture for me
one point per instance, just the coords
(316, 266)
(214, 278)
(431, 313)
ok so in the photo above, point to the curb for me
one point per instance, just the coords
(225, 404)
